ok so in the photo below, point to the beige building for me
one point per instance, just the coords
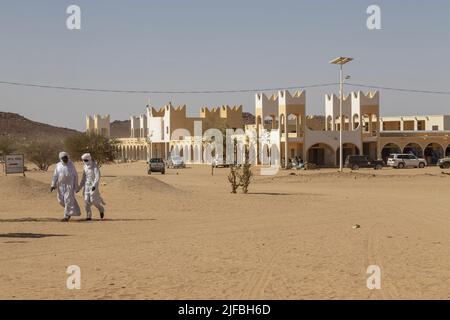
(283, 130)
(98, 124)
(167, 130)
(425, 136)
(311, 138)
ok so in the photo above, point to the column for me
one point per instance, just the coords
(286, 143)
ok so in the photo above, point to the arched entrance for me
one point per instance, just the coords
(269, 122)
(348, 149)
(265, 155)
(413, 148)
(321, 154)
(447, 151)
(294, 123)
(388, 149)
(329, 124)
(274, 155)
(433, 152)
(181, 151)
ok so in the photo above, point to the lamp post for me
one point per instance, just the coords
(149, 141)
(341, 61)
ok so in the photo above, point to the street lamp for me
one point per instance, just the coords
(149, 141)
(341, 61)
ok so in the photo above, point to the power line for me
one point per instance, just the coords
(397, 89)
(42, 86)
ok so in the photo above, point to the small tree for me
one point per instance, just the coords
(245, 174)
(101, 148)
(7, 146)
(233, 178)
(43, 153)
(240, 175)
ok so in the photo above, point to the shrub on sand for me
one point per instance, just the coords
(42, 153)
(102, 149)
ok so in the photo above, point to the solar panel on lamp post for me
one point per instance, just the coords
(340, 61)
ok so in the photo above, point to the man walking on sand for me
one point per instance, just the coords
(65, 181)
(90, 182)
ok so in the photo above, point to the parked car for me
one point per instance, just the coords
(156, 165)
(444, 163)
(175, 162)
(355, 162)
(401, 160)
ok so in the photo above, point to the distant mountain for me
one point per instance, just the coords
(248, 118)
(19, 127)
(120, 129)
(315, 122)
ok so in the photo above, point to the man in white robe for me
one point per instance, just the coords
(65, 181)
(90, 184)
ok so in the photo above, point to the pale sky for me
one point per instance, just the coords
(208, 45)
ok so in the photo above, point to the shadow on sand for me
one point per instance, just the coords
(273, 193)
(30, 235)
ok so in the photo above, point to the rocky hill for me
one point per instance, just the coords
(19, 127)
(248, 118)
(120, 129)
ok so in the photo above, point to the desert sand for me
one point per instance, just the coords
(183, 235)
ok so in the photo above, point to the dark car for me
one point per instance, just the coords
(444, 163)
(355, 162)
(156, 165)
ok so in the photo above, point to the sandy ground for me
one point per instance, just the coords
(184, 236)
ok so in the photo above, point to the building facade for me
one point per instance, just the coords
(283, 131)
(99, 125)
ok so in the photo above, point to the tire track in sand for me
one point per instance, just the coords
(388, 290)
(255, 287)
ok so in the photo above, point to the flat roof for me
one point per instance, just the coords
(416, 116)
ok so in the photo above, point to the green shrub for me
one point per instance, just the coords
(42, 153)
(102, 149)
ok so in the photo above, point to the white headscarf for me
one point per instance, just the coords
(87, 156)
(63, 154)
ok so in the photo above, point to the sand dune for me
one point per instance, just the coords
(23, 188)
(183, 235)
(132, 183)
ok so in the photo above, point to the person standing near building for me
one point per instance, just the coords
(65, 181)
(90, 184)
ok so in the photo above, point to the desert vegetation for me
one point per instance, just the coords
(241, 175)
(102, 149)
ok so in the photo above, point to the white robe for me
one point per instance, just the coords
(65, 180)
(90, 179)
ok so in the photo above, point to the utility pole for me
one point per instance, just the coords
(341, 61)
